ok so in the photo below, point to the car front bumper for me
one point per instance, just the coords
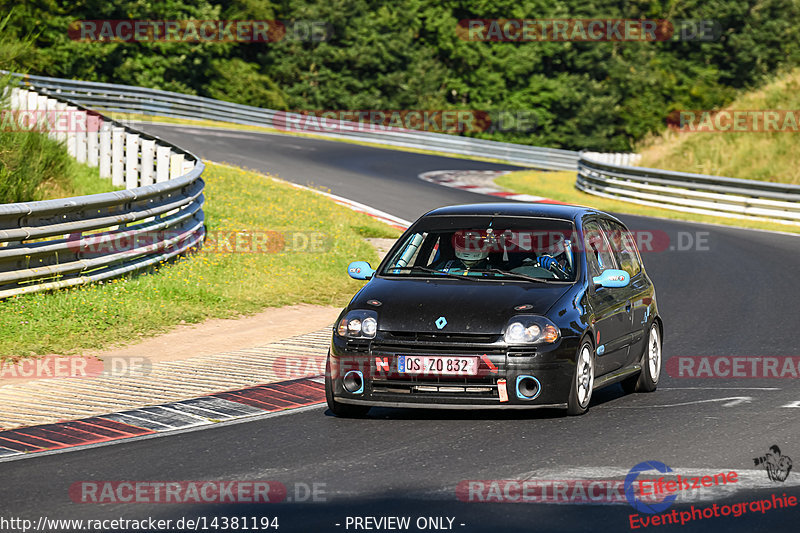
(553, 367)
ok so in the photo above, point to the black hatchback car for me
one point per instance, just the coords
(498, 306)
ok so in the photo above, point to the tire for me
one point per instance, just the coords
(580, 393)
(647, 379)
(342, 410)
(651, 361)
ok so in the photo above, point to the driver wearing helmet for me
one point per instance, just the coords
(471, 254)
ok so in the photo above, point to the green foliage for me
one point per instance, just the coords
(408, 55)
(235, 80)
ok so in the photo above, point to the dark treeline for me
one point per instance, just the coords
(408, 54)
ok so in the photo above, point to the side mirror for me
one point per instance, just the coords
(612, 278)
(360, 270)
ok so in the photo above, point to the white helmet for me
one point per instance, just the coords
(472, 256)
(471, 246)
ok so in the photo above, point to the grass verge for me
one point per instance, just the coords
(208, 284)
(35, 167)
(759, 155)
(561, 186)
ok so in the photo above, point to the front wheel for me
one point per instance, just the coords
(580, 393)
(340, 409)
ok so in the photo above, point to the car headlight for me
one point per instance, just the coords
(531, 329)
(357, 324)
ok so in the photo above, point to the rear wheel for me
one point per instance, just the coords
(647, 379)
(580, 393)
(340, 409)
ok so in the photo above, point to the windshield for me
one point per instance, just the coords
(535, 249)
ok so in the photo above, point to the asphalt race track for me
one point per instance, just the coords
(729, 293)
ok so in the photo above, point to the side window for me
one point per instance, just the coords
(598, 255)
(624, 247)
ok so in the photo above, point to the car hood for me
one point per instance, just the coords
(479, 307)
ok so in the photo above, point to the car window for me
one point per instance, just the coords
(407, 255)
(598, 254)
(624, 247)
(488, 247)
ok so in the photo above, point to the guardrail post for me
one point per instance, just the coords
(104, 154)
(51, 109)
(80, 123)
(118, 157)
(93, 125)
(60, 115)
(162, 164)
(175, 166)
(148, 164)
(71, 137)
(131, 160)
(41, 114)
(31, 100)
(16, 98)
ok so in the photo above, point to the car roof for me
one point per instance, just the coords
(558, 211)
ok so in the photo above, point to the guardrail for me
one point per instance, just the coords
(618, 158)
(56, 243)
(126, 99)
(692, 193)
(60, 243)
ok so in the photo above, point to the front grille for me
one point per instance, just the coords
(385, 348)
(358, 346)
(464, 338)
(471, 387)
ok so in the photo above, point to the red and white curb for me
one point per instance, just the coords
(204, 411)
(480, 182)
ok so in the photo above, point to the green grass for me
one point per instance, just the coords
(205, 285)
(35, 167)
(561, 186)
(80, 179)
(750, 155)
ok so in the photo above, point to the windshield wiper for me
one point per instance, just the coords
(518, 275)
(436, 272)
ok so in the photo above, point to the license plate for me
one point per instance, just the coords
(438, 365)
